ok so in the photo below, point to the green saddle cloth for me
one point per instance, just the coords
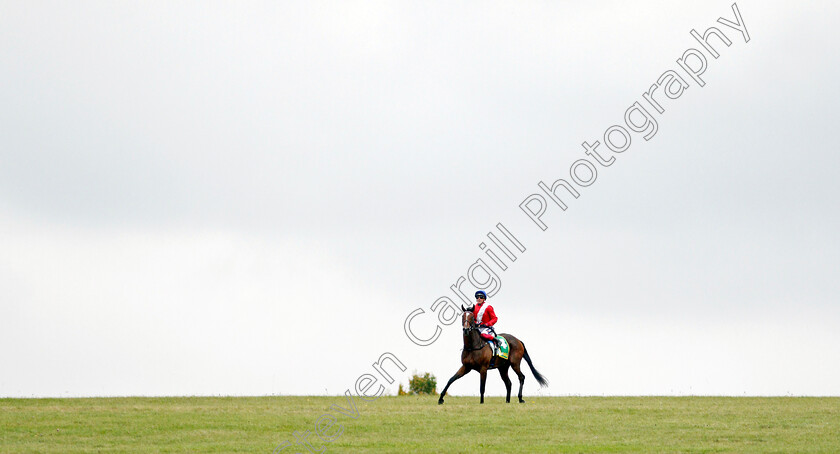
(504, 349)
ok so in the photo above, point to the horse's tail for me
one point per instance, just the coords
(540, 379)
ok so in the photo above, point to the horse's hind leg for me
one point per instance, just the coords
(503, 371)
(521, 380)
(461, 372)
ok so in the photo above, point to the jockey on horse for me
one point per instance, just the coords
(477, 323)
(485, 317)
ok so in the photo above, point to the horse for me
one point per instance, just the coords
(477, 356)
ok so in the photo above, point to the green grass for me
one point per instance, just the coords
(418, 424)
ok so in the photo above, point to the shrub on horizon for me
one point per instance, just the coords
(426, 384)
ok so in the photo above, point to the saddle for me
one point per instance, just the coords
(503, 350)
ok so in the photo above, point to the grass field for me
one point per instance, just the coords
(418, 424)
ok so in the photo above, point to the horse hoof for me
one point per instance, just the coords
(440, 402)
(521, 401)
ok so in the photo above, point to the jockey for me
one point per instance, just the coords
(485, 316)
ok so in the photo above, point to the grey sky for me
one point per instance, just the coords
(190, 191)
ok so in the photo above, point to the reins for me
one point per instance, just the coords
(473, 327)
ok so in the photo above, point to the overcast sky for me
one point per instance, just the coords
(249, 198)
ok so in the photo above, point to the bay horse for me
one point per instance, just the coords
(477, 355)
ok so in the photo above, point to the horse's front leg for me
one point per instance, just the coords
(483, 373)
(461, 372)
(503, 371)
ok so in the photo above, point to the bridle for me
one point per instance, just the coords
(473, 327)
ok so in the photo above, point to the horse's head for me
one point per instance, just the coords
(467, 320)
